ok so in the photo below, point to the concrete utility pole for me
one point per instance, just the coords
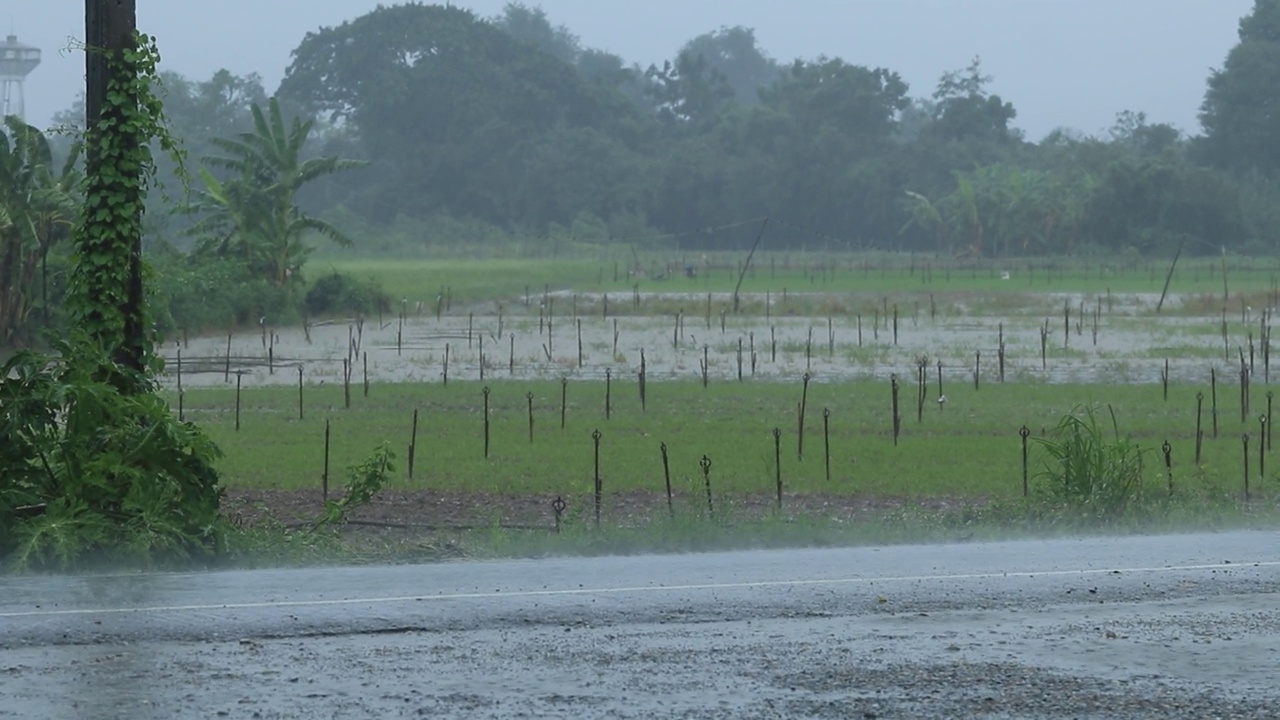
(109, 29)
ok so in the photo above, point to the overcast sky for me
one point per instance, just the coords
(1072, 63)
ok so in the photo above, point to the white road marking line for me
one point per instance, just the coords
(636, 589)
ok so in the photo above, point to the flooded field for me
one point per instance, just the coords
(1053, 338)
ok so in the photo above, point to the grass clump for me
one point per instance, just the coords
(1088, 468)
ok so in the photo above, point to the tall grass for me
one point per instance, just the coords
(1091, 468)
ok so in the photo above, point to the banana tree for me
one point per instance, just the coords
(964, 214)
(37, 208)
(927, 218)
(1003, 209)
(251, 215)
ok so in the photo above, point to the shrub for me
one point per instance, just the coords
(336, 293)
(195, 294)
(1086, 470)
(88, 472)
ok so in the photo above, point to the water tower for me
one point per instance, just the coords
(16, 62)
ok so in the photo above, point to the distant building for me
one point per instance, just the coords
(16, 63)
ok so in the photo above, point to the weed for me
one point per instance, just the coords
(1086, 470)
(364, 480)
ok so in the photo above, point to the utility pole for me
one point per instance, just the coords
(110, 27)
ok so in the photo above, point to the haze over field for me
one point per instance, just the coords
(458, 285)
(1072, 63)
(966, 129)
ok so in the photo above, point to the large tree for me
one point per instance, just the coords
(452, 110)
(735, 54)
(965, 110)
(1241, 110)
(690, 90)
(1154, 203)
(831, 171)
(853, 100)
(531, 25)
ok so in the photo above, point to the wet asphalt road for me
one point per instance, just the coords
(1172, 627)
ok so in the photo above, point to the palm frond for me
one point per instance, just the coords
(320, 167)
(307, 222)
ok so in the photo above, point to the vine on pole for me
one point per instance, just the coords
(106, 297)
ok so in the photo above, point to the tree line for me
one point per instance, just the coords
(511, 122)
(454, 130)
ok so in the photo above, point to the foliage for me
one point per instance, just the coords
(337, 293)
(1132, 131)
(194, 293)
(197, 112)
(252, 215)
(101, 474)
(1238, 112)
(213, 108)
(688, 90)
(92, 464)
(1147, 196)
(37, 210)
(510, 126)
(853, 100)
(1152, 204)
(459, 116)
(364, 480)
(1088, 471)
(531, 25)
(734, 53)
(106, 296)
(964, 110)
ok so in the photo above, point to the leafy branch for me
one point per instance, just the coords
(364, 480)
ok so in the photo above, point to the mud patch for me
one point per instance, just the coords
(436, 509)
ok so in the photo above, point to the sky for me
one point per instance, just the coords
(1062, 63)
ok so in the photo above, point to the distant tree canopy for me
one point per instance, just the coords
(1241, 110)
(532, 26)
(733, 53)
(477, 128)
(463, 118)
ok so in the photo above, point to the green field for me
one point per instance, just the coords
(969, 449)
(965, 453)
(595, 271)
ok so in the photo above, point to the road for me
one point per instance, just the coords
(1184, 626)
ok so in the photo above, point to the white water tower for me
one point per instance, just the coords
(16, 63)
